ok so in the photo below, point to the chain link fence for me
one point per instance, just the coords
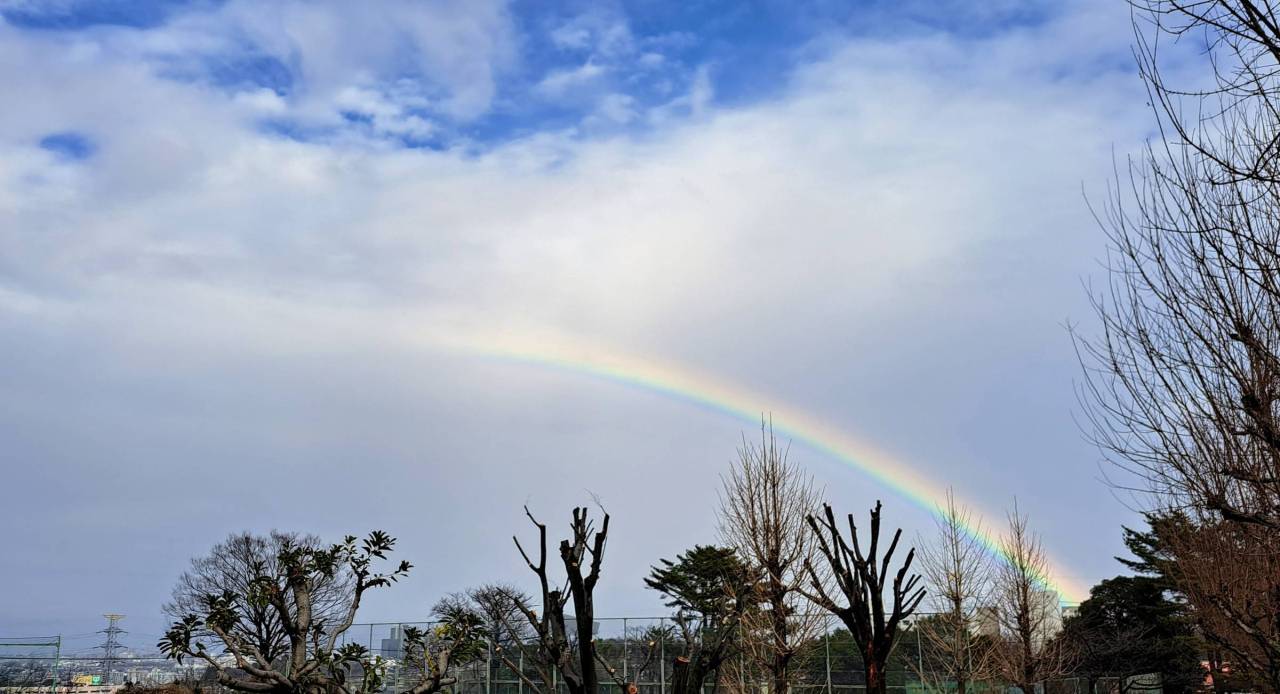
(636, 650)
(639, 650)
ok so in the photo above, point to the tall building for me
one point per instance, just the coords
(393, 646)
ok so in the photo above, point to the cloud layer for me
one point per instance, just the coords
(226, 297)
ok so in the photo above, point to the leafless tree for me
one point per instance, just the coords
(515, 643)
(764, 505)
(1183, 384)
(958, 572)
(25, 675)
(861, 580)
(1230, 122)
(572, 653)
(1027, 610)
(1183, 381)
(233, 565)
(1230, 573)
(630, 683)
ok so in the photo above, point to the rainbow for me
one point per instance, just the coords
(708, 393)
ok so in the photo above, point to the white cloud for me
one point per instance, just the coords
(617, 108)
(894, 240)
(603, 34)
(651, 60)
(559, 83)
(454, 53)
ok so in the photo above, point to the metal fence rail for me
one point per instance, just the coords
(830, 665)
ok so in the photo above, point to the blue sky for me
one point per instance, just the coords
(583, 67)
(243, 242)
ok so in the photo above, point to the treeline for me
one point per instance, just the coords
(269, 614)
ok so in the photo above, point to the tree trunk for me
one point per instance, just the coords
(680, 676)
(874, 671)
(781, 632)
(590, 683)
(781, 673)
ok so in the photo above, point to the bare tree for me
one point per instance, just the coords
(314, 662)
(572, 653)
(861, 579)
(233, 565)
(958, 572)
(1183, 386)
(1027, 610)
(763, 506)
(1230, 123)
(1230, 573)
(630, 683)
(515, 643)
(1184, 381)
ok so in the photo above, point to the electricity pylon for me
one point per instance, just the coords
(112, 644)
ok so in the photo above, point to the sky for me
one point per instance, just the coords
(329, 267)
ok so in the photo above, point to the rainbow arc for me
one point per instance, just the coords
(704, 391)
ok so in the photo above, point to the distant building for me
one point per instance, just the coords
(989, 621)
(393, 646)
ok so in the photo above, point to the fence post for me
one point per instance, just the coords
(57, 657)
(625, 643)
(826, 641)
(915, 626)
(662, 655)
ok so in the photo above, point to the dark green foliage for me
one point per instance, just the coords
(704, 580)
(1131, 626)
(1153, 558)
(711, 589)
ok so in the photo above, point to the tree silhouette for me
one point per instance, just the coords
(861, 579)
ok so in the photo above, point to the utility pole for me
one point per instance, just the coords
(112, 644)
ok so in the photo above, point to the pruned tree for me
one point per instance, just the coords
(458, 637)
(861, 580)
(572, 653)
(958, 572)
(711, 589)
(232, 566)
(763, 506)
(314, 662)
(1027, 610)
(629, 683)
